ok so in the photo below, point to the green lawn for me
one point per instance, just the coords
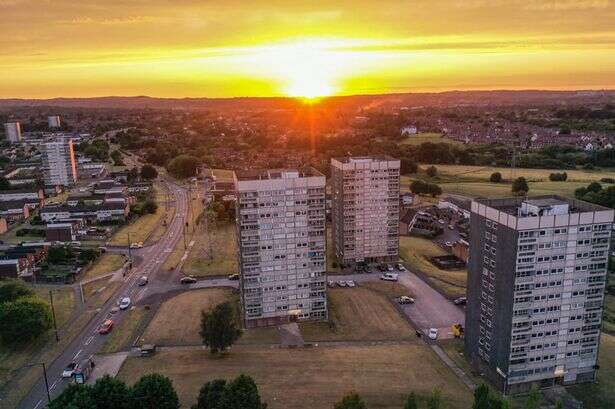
(107, 263)
(423, 137)
(222, 260)
(416, 251)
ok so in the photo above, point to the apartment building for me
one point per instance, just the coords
(281, 234)
(13, 132)
(54, 122)
(59, 166)
(536, 281)
(365, 209)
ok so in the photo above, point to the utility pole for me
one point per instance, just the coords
(129, 250)
(184, 229)
(53, 314)
(44, 376)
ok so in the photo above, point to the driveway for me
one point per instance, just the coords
(431, 309)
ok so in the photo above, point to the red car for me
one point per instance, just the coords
(106, 327)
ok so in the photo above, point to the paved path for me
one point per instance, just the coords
(453, 366)
(108, 364)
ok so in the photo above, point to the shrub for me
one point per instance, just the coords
(496, 177)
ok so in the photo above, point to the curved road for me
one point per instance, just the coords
(89, 342)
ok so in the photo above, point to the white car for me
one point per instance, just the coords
(69, 370)
(448, 244)
(350, 283)
(433, 333)
(401, 267)
(389, 267)
(404, 299)
(125, 303)
(341, 283)
(389, 277)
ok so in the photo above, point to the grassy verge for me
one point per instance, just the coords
(423, 137)
(124, 334)
(107, 263)
(382, 375)
(602, 393)
(416, 251)
(98, 292)
(363, 313)
(223, 260)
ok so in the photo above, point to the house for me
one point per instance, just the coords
(92, 213)
(60, 232)
(461, 249)
(35, 195)
(108, 186)
(20, 261)
(417, 222)
(140, 187)
(409, 130)
(11, 268)
(15, 210)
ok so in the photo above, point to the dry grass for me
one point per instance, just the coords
(178, 320)
(107, 263)
(98, 292)
(360, 314)
(416, 251)
(312, 378)
(423, 137)
(223, 260)
(124, 334)
(63, 301)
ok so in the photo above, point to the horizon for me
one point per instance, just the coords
(306, 50)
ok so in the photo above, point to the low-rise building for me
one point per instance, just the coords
(104, 212)
(60, 232)
(15, 210)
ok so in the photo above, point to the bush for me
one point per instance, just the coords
(149, 172)
(558, 177)
(30, 232)
(11, 290)
(520, 186)
(496, 177)
(23, 320)
(607, 180)
(431, 171)
(183, 166)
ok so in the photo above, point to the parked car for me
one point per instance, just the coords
(382, 267)
(124, 303)
(106, 327)
(233, 277)
(331, 283)
(401, 267)
(188, 280)
(460, 301)
(83, 370)
(142, 281)
(136, 245)
(448, 244)
(389, 277)
(148, 349)
(450, 226)
(341, 283)
(390, 267)
(350, 283)
(433, 333)
(404, 299)
(441, 221)
(69, 370)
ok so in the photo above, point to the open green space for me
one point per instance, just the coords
(214, 252)
(423, 137)
(98, 292)
(312, 377)
(124, 333)
(416, 252)
(106, 263)
(364, 313)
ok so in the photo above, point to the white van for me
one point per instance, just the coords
(389, 277)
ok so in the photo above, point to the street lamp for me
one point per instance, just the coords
(42, 364)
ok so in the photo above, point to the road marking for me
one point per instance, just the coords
(38, 403)
(53, 385)
(77, 354)
(89, 340)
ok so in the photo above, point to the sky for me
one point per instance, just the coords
(209, 48)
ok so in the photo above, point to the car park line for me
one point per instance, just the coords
(78, 353)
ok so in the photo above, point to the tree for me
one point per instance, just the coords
(154, 391)
(496, 177)
(241, 393)
(11, 290)
(520, 186)
(594, 187)
(435, 400)
(75, 396)
(110, 393)
(351, 401)
(210, 394)
(431, 171)
(533, 399)
(219, 328)
(116, 156)
(411, 402)
(149, 207)
(481, 397)
(183, 166)
(408, 166)
(23, 320)
(434, 190)
(149, 172)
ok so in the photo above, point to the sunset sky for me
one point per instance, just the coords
(190, 48)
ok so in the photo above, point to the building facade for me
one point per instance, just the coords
(365, 209)
(54, 122)
(281, 234)
(13, 132)
(59, 166)
(536, 280)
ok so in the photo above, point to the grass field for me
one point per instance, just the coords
(141, 228)
(123, 334)
(474, 180)
(427, 137)
(107, 263)
(224, 251)
(416, 250)
(312, 378)
(601, 394)
(178, 320)
(97, 293)
(362, 313)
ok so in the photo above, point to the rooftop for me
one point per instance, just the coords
(513, 204)
(364, 159)
(271, 174)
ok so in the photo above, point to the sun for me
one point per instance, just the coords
(309, 88)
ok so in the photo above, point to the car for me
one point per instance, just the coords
(390, 267)
(188, 280)
(460, 301)
(389, 277)
(341, 283)
(350, 283)
(106, 327)
(136, 245)
(450, 226)
(433, 333)
(124, 303)
(401, 267)
(382, 267)
(142, 281)
(148, 349)
(114, 310)
(448, 244)
(69, 370)
(331, 283)
(404, 299)
(441, 221)
(233, 277)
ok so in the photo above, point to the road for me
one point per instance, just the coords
(89, 342)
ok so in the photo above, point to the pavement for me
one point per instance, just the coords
(148, 261)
